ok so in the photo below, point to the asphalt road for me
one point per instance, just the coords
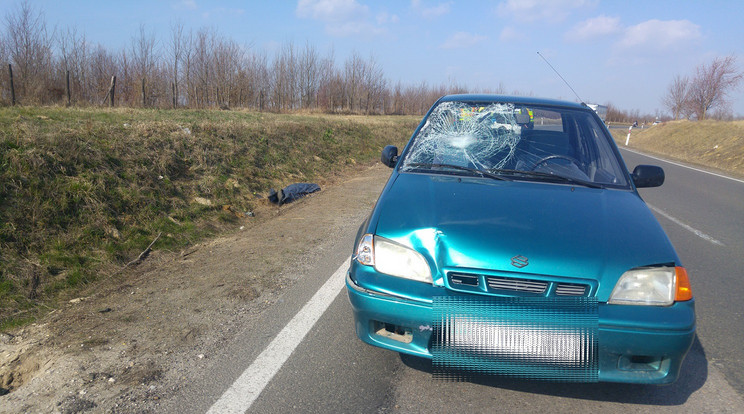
(332, 371)
(714, 206)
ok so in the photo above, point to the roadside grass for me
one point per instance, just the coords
(84, 190)
(716, 144)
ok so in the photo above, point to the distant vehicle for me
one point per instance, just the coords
(601, 110)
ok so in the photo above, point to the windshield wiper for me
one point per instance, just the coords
(459, 168)
(540, 174)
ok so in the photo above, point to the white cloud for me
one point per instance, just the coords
(331, 10)
(660, 35)
(595, 27)
(461, 40)
(541, 10)
(344, 17)
(431, 12)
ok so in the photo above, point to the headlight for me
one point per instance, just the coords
(392, 259)
(654, 286)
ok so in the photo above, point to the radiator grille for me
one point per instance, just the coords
(570, 289)
(482, 283)
(518, 285)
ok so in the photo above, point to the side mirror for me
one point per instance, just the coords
(390, 156)
(647, 176)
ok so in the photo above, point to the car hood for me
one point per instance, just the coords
(562, 230)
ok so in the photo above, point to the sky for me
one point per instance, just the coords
(621, 52)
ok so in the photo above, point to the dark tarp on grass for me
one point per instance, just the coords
(292, 192)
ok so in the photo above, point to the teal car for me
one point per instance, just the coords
(511, 240)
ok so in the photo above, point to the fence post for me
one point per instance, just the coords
(112, 90)
(12, 88)
(69, 100)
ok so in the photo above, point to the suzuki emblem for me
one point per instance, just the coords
(519, 261)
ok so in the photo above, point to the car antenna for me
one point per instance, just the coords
(559, 75)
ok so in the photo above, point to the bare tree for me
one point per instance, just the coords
(30, 52)
(676, 96)
(259, 81)
(176, 48)
(285, 82)
(374, 87)
(354, 69)
(308, 76)
(103, 66)
(712, 84)
(143, 59)
(188, 60)
(227, 59)
(327, 98)
(74, 57)
(201, 82)
(126, 90)
(723, 114)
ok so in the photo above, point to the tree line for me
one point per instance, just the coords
(204, 69)
(193, 69)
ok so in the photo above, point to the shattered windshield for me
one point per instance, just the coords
(519, 141)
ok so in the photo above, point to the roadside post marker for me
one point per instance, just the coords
(627, 139)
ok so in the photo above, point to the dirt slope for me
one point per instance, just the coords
(126, 346)
(710, 144)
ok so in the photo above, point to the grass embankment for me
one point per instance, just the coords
(84, 191)
(716, 144)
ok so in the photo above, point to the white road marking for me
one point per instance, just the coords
(685, 226)
(683, 165)
(246, 389)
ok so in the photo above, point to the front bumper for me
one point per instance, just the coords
(636, 344)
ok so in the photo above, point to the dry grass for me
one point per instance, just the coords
(715, 144)
(83, 191)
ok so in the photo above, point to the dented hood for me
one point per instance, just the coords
(478, 223)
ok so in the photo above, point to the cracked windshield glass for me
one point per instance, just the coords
(535, 143)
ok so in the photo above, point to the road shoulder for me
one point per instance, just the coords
(130, 345)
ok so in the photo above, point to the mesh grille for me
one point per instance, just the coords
(552, 338)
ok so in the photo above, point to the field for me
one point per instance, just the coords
(83, 192)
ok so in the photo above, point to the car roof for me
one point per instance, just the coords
(523, 100)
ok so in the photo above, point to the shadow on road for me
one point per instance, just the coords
(693, 375)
